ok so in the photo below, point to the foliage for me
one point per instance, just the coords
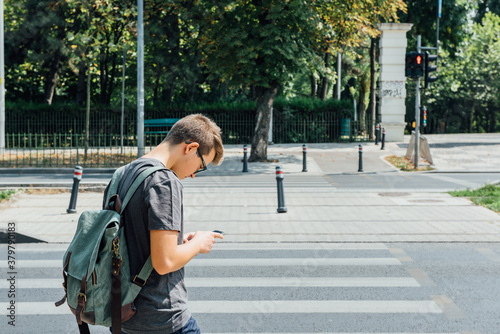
(256, 42)
(5, 195)
(467, 94)
(488, 196)
(452, 25)
(351, 22)
(222, 51)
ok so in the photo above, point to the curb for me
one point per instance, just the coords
(437, 171)
(55, 170)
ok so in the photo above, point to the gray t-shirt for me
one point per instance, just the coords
(156, 205)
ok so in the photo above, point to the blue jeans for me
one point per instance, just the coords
(191, 327)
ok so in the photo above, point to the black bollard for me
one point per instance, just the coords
(360, 167)
(304, 158)
(383, 139)
(377, 134)
(281, 195)
(77, 176)
(245, 159)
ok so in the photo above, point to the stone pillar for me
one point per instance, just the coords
(392, 79)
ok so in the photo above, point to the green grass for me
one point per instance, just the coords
(487, 196)
(5, 195)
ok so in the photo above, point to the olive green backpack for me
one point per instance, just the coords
(98, 284)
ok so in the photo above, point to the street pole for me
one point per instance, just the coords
(2, 83)
(339, 75)
(417, 110)
(440, 4)
(140, 79)
(123, 97)
(270, 133)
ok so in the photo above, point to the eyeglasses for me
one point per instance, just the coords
(201, 157)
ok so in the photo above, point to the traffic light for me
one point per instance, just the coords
(414, 65)
(429, 68)
(424, 118)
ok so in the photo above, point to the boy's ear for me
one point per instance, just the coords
(191, 146)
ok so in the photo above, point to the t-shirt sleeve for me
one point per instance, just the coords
(164, 200)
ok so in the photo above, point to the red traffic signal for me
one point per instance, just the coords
(414, 67)
(418, 59)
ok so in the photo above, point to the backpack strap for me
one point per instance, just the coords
(113, 185)
(137, 182)
(141, 278)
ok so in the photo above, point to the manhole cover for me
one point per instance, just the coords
(394, 194)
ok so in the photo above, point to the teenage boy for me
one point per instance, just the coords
(154, 224)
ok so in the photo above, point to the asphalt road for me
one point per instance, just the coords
(298, 288)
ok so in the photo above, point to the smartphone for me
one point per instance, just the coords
(217, 231)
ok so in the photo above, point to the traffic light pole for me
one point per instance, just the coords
(140, 78)
(417, 109)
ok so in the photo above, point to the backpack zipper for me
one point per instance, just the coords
(94, 278)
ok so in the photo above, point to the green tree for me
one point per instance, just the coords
(34, 35)
(452, 25)
(467, 95)
(260, 43)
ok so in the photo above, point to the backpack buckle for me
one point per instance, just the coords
(82, 295)
(116, 247)
(138, 281)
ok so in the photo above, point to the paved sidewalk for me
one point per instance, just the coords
(314, 214)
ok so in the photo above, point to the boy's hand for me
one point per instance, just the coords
(187, 237)
(206, 240)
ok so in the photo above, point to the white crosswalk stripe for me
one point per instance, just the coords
(266, 306)
(315, 306)
(269, 275)
(221, 282)
(244, 262)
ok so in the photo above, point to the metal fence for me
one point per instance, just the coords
(42, 148)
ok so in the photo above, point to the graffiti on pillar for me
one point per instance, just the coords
(392, 88)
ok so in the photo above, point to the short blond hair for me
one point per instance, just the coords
(200, 129)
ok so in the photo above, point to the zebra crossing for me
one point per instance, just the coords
(256, 288)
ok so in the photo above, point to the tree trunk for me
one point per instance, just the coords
(82, 79)
(314, 87)
(373, 87)
(492, 118)
(364, 86)
(324, 80)
(169, 88)
(471, 117)
(51, 82)
(111, 81)
(157, 83)
(195, 77)
(87, 117)
(265, 99)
